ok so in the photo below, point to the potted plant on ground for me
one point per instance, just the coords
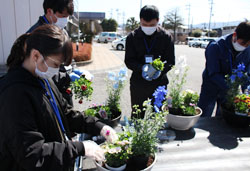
(235, 110)
(182, 105)
(110, 112)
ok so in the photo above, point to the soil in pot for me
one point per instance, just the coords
(137, 163)
(114, 121)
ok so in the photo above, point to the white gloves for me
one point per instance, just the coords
(109, 134)
(93, 150)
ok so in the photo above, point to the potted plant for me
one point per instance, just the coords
(110, 112)
(235, 110)
(116, 155)
(182, 105)
(156, 66)
(144, 133)
(81, 88)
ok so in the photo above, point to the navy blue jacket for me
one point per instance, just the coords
(221, 58)
(41, 21)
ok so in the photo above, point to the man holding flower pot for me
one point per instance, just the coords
(143, 46)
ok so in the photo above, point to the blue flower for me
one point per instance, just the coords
(122, 72)
(159, 95)
(116, 85)
(239, 74)
(241, 67)
(156, 109)
(233, 77)
(112, 76)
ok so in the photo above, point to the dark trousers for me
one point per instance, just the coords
(139, 93)
(209, 96)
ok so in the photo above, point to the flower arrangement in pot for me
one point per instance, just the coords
(236, 109)
(144, 132)
(110, 112)
(182, 105)
(81, 88)
(153, 70)
(116, 155)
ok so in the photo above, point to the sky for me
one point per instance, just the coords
(222, 10)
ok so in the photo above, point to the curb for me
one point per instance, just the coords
(83, 63)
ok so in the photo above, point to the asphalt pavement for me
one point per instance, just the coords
(114, 60)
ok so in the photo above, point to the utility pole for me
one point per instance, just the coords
(123, 22)
(211, 12)
(188, 8)
(117, 14)
(140, 5)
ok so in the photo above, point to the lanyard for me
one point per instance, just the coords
(53, 104)
(45, 19)
(149, 49)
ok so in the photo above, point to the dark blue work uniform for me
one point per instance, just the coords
(221, 58)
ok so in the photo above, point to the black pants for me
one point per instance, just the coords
(139, 93)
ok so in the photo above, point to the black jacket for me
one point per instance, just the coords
(136, 50)
(30, 138)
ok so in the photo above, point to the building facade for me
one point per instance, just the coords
(16, 17)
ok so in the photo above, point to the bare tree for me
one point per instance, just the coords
(172, 20)
(131, 24)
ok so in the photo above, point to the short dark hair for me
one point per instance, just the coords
(243, 31)
(149, 12)
(59, 6)
(48, 39)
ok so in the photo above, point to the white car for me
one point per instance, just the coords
(119, 44)
(108, 37)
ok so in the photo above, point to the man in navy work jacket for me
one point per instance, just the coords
(222, 56)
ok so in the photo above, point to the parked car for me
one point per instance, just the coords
(108, 37)
(206, 41)
(119, 44)
(194, 42)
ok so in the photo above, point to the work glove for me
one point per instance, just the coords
(109, 134)
(93, 150)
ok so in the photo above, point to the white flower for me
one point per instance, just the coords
(177, 72)
(181, 61)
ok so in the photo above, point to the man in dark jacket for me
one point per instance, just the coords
(57, 12)
(222, 56)
(143, 45)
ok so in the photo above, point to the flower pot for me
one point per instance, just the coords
(233, 118)
(151, 71)
(180, 122)
(112, 122)
(100, 167)
(116, 168)
(140, 163)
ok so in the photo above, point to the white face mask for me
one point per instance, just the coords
(61, 22)
(48, 74)
(238, 47)
(148, 30)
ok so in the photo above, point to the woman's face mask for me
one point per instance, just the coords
(49, 73)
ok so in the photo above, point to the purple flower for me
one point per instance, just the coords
(239, 74)
(232, 77)
(159, 95)
(191, 104)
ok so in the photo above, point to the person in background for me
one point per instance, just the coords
(36, 124)
(143, 45)
(57, 12)
(222, 56)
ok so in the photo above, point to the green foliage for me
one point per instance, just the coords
(213, 33)
(132, 24)
(109, 25)
(158, 64)
(242, 103)
(100, 111)
(189, 102)
(117, 153)
(82, 88)
(144, 140)
(196, 33)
